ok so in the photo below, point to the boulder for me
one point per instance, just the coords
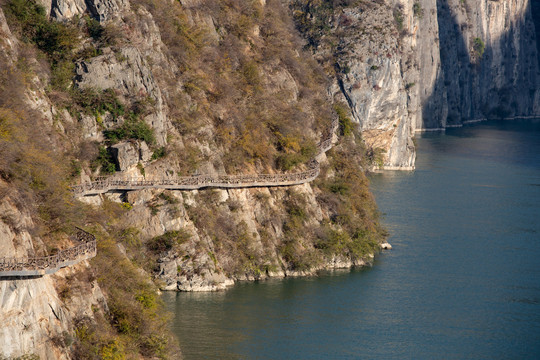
(126, 154)
(66, 9)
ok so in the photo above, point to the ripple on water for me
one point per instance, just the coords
(462, 280)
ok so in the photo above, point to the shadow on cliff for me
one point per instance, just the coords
(482, 79)
(535, 10)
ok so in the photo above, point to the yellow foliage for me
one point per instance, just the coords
(8, 119)
(250, 142)
(113, 351)
(291, 143)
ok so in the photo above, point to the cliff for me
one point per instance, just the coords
(164, 90)
(489, 58)
(168, 91)
(408, 66)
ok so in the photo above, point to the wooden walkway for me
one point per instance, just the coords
(103, 185)
(37, 266)
(86, 242)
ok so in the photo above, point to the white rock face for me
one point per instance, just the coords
(131, 77)
(425, 74)
(371, 79)
(502, 82)
(66, 9)
(34, 319)
(31, 315)
(102, 10)
(126, 154)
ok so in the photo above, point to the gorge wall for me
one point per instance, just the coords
(160, 89)
(408, 66)
(489, 61)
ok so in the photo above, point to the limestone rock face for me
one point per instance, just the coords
(15, 239)
(35, 320)
(475, 60)
(104, 10)
(371, 79)
(412, 65)
(101, 10)
(22, 303)
(66, 9)
(489, 61)
(423, 65)
(130, 76)
(9, 48)
(126, 154)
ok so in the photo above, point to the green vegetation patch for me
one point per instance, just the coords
(346, 125)
(57, 40)
(105, 161)
(136, 324)
(418, 11)
(168, 241)
(132, 128)
(479, 47)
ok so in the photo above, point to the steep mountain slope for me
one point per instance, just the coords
(164, 89)
(161, 89)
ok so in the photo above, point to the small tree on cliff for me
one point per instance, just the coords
(478, 47)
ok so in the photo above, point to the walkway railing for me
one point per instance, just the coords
(103, 185)
(41, 265)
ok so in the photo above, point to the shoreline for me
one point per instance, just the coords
(333, 264)
(474, 121)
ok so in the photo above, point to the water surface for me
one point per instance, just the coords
(462, 282)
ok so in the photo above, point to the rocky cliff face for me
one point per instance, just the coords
(38, 314)
(146, 89)
(489, 62)
(406, 66)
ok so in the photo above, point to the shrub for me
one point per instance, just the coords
(251, 75)
(295, 153)
(54, 38)
(398, 17)
(346, 125)
(57, 40)
(97, 102)
(339, 187)
(168, 241)
(159, 153)
(62, 74)
(136, 317)
(105, 160)
(132, 128)
(479, 47)
(409, 85)
(94, 28)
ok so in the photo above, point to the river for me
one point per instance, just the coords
(462, 280)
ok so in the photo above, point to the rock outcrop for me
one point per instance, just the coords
(36, 319)
(101, 10)
(489, 62)
(128, 74)
(414, 65)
